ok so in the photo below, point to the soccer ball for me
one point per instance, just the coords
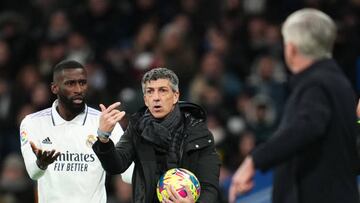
(178, 178)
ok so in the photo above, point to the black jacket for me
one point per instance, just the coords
(199, 156)
(314, 148)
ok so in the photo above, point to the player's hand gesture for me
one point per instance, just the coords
(174, 197)
(44, 157)
(109, 117)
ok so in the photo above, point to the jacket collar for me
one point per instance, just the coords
(58, 120)
(194, 118)
(320, 64)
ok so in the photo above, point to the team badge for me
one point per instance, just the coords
(91, 139)
(23, 138)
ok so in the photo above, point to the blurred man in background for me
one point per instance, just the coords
(314, 149)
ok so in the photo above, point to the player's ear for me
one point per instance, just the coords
(54, 88)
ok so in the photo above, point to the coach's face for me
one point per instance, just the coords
(160, 98)
(70, 86)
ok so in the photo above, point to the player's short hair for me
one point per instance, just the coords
(161, 73)
(66, 64)
(312, 32)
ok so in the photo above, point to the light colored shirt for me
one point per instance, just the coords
(77, 175)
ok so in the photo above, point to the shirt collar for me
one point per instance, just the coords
(58, 120)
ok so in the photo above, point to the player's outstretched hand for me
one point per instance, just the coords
(109, 117)
(174, 197)
(44, 157)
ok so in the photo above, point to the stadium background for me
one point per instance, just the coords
(227, 53)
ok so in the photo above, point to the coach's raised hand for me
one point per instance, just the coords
(108, 118)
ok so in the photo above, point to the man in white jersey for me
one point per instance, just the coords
(56, 142)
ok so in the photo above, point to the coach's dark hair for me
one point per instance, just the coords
(67, 64)
(161, 73)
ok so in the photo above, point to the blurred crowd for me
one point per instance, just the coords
(227, 54)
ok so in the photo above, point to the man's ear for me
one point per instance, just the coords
(292, 50)
(176, 97)
(54, 88)
(289, 53)
(146, 101)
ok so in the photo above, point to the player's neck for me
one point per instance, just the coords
(65, 113)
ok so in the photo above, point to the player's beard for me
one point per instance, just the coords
(71, 106)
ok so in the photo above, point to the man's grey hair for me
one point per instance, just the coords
(161, 73)
(312, 32)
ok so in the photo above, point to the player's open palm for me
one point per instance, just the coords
(44, 157)
(174, 197)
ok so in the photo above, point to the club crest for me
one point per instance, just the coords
(91, 139)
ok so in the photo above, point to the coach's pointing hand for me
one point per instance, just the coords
(108, 118)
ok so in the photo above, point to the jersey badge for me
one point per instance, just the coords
(91, 139)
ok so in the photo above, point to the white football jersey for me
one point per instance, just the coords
(77, 175)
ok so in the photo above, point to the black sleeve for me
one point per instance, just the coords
(311, 117)
(209, 186)
(117, 159)
(208, 173)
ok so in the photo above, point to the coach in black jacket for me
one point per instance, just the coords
(164, 135)
(313, 150)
